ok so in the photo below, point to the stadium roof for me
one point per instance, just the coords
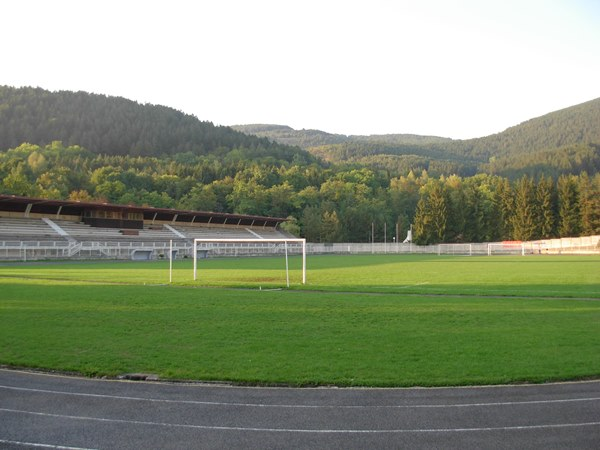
(14, 203)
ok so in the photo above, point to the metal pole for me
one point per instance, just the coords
(372, 237)
(385, 237)
(287, 267)
(195, 259)
(304, 261)
(171, 261)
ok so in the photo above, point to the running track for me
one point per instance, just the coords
(47, 411)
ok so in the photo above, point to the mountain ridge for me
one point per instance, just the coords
(118, 126)
(285, 133)
(560, 132)
(548, 120)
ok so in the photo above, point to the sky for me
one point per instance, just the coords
(451, 68)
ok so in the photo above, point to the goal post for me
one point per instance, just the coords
(284, 241)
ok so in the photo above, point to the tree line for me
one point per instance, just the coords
(324, 203)
(399, 159)
(487, 208)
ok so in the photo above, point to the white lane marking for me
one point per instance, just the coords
(301, 430)
(38, 445)
(265, 405)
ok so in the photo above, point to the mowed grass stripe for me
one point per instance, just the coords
(300, 338)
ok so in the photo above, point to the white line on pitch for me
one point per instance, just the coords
(37, 445)
(265, 405)
(413, 285)
(301, 430)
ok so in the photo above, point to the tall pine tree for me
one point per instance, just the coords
(504, 205)
(568, 206)
(431, 216)
(546, 208)
(523, 220)
(589, 204)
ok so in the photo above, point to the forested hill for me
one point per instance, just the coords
(117, 126)
(562, 142)
(579, 124)
(315, 138)
(565, 141)
(287, 135)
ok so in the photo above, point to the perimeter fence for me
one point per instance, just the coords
(565, 246)
(53, 250)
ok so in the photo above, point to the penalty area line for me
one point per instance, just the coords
(414, 285)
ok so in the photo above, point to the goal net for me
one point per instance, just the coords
(250, 247)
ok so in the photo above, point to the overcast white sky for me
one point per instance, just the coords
(453, 68)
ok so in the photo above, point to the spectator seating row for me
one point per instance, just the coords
(30, 229)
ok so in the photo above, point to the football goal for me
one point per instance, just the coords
(248, 247)
(514, 248)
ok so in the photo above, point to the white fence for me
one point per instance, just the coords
(41, 250)
(585, 244)
(580, 245)
(382, 248)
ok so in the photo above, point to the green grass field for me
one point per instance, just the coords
(373, 320)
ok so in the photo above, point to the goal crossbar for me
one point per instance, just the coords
(254, 241)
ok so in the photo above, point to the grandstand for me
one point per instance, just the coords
(32, 228)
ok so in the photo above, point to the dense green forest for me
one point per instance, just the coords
(335, 204)
(447, 198)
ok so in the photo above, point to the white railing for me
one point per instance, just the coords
(74, 249)
(60, 249)
(580, 245)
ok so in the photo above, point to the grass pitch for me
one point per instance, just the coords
(384, 320)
